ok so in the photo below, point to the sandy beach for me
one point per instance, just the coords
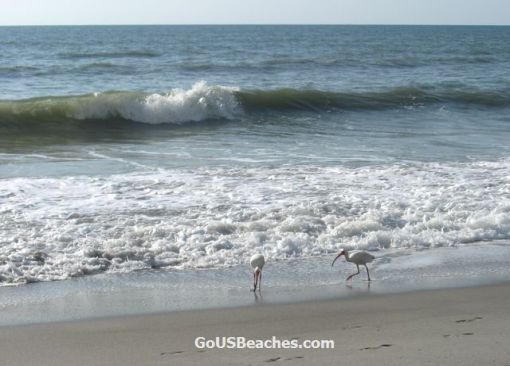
(464, 326)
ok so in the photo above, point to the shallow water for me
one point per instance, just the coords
(393, 271)
(182, 148)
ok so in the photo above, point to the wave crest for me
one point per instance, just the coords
(199, 103)
(204, 102)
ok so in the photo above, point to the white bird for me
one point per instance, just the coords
(357, 257)
(257, 262)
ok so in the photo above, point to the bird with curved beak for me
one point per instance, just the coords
(357, 257)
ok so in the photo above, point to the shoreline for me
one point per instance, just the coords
(286, 282)
(448, 326)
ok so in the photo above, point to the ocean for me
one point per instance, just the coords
(149, 150)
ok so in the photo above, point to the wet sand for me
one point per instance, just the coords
(463, 326)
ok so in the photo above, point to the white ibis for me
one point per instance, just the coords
(357, 257)
(257, 262)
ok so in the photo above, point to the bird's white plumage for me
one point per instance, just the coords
(257, 261)
(359, 257)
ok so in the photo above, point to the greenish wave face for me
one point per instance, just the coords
(203, 102)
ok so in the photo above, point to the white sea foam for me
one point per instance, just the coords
(199, 103)
(214, 217)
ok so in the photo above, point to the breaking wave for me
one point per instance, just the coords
(204, 102)
(199, 103)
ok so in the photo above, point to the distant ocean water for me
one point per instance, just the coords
(186, 147)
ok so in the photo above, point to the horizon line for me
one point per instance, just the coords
(257, 24)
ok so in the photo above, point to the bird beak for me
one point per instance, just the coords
(338, 256)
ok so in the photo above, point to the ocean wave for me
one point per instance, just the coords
(180, 218)
(379, 100)
(20, 69)
(103, 65)
(204, 102)
(199, 103)
(108, 54)
(336, 61)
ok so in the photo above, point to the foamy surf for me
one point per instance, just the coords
(215, 217)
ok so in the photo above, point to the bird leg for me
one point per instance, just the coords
(354, 274)
(368, 273)
(254, 281)
(260, 280)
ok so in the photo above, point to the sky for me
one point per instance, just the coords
(63, 12)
